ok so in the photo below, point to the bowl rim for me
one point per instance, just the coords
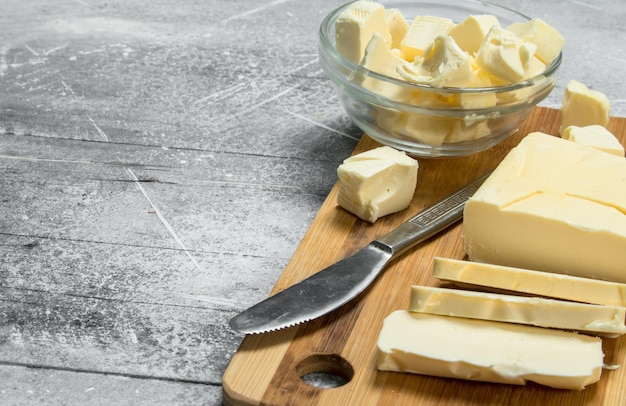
(328, 46)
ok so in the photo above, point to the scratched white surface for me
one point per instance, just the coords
(160, 163)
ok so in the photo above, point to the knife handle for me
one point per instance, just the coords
(431, 220)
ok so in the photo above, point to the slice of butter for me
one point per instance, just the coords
(530, 282)
(488, 351)
(582, 106)
(377, 182)
(356, 25)
(535, 311)
(443, 64)
(548, 40)
(504, 55)
(596, 136)
(551, 205)
(398, 27)
(470, 32)
(421, 34)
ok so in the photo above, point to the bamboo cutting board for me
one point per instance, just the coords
(267, 368)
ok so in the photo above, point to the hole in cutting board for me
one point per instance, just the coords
(325, 371)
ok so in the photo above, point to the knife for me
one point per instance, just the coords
(341, 282)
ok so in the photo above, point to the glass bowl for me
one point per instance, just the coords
(444, 128)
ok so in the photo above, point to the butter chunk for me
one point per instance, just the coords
(534, 311)
(377, 182)
(596, 136)
(530, 282)
(470, 32)
(504, 55)
(582, 106)
(551, 205)
(398, 27)
(479, 100)
(443, 64)
(480, 350)
(548, 40)
(421, 34)
(430, 130)
(379, 58)
(356, 25)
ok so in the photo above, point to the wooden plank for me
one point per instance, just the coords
(25, 385)
(351, 332)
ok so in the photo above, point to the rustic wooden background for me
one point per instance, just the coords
(160, 162)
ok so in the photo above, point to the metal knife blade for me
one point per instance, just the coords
(341, 282)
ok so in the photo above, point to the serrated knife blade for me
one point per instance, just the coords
(341, 282)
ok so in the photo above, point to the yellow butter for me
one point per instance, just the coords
(582, 106)
(488, 351)
(489, 276)
(548, 40)
(421, 34)
(431, 130)
(443, 64)
(470, 32)
(379, 58)
(504, 55)
(356, 25)
(596, 136)
(551, 205)
(479, 100)
(398, 27)
(377, 182)
(535, 311)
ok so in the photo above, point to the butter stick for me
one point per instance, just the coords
(530, 282)
(541, 312)
(552, 205)
(488, 351)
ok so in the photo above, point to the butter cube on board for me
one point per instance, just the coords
(530, 282)
(582, 106)
(606, 321)
(377, 182)
(551, 205)
(489, 351)
(596, 136)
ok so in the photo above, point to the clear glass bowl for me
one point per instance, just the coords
(385, 119)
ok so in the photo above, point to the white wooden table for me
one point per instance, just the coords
(160, 163)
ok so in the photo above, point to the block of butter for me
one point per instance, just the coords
(548, 40)
(356, 25)
(398, 26)
(526, 281)
(443, 64)
(596, 136)
(535, 311)
(504, 55)
(470, 32)
(488, 351)
(421, 34)
(582, 106)
(551, 205)
(377, 182)
(379, 58)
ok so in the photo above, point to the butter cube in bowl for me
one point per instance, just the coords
(438, 79)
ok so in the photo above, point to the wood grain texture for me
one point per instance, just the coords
(351, 332)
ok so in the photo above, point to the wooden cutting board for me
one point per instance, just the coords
(267, 368)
